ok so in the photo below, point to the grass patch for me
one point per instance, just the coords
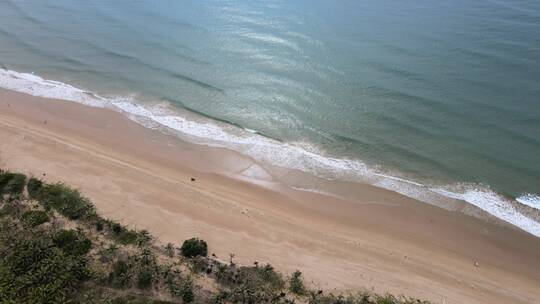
(66, 201)
(124, 235)
(34, 218)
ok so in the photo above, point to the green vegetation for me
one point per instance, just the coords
(34, 187)
(34, 218)
(72, 242)
(66, 201)
(296, 284)
(55, 248)
(123, 235)
(11, 183)
(33, 270)
(194, 247)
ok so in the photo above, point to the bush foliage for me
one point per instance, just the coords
(33, 270)
(194, 247)
(34, 218)
(66, 201)
(296, 284)
(72, 242)
(34, 187)
(11, 183)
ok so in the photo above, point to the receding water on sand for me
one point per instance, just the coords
(271, 153)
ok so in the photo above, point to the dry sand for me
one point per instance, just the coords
(379, 240)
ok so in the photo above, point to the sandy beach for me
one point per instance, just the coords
(178, 190)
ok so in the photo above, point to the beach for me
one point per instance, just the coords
(177, 190)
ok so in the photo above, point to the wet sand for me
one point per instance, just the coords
(377, 239)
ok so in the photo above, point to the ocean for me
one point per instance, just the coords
(436, 100)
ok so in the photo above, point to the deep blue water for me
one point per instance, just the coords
(443, 93)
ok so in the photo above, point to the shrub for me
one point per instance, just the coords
(296, 284)
(257, 277)
(34, 187)
(251, 284)
(66, 201)
(12, 183)
(143, 237)
(12, 208)
(194, 247)
(130, 299)
(128, 236)
(186, 290)
(387, 299)
(34, 218)
(34, 271)
(175, 283)
(169, 250)
(117, 228)
(145, 278)
(269, 275)
(199, 264)
(72, 242)
(99, 226)
(120, 275)
(107, 253)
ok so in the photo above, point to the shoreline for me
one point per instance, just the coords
(381, 239)
(289, 165)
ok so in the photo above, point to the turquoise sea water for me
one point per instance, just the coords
(416, 96)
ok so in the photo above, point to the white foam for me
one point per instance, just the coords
(399, 179)
(251, 131)
(492, 203)
(37, 86)
(300, 156)
(317, 191)
(530, 199)
(259, 147)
